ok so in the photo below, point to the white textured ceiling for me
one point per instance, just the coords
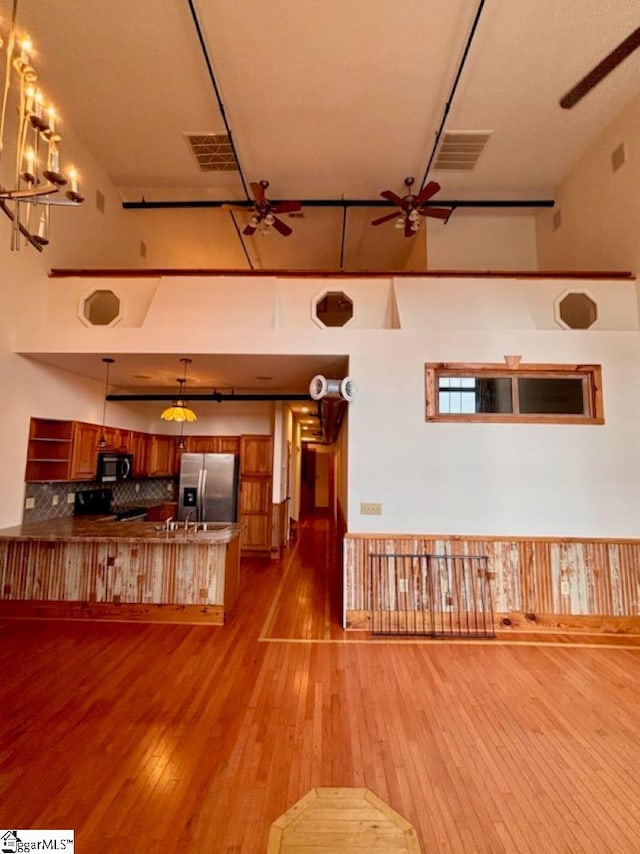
(328, 99)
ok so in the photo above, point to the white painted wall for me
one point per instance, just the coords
(484, 240)
(600, 208)
(518, 479)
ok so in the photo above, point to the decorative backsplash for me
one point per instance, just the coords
(46, 506)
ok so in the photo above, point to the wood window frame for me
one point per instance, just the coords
(590, 374)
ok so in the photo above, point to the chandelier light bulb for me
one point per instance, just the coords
(415, 226)
(269, 219)
(413, 216)
(399, 223)
(254, 222)
(26, 46)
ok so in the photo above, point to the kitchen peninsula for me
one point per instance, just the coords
(104, 569)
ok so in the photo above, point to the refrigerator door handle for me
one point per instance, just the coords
(204, 496)
(199, 496)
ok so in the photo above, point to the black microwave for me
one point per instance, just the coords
(114, 467)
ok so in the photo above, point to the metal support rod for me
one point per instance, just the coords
(214, 83)
(344, 234)
(239, 233)
(453, 91)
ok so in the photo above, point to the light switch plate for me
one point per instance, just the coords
(370, 508)
(71, 497)
(54, 500)
(29, 504)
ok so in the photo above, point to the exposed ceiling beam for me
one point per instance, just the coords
(143, 204)
(215, 397)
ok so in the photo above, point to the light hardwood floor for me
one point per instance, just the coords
(146, 738)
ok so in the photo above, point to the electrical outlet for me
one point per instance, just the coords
(169, 487)
(29, 504)
(54, 500)
(370, 508)
(71, 497)
(137, 487)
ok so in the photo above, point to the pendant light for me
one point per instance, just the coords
(179, 411)
(102, 441)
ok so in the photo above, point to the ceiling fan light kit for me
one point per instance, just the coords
(264, 219)
(413, 207)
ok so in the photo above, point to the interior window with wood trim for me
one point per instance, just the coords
(529, 393)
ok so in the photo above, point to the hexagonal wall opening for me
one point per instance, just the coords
(577, 310)
(101, 308)
(332, 308)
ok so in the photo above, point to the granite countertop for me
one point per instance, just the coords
(100, 528)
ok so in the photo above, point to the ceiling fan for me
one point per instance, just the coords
(411, 207)
(264, 216)
(601, 70)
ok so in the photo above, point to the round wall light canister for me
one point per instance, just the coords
(320, 387)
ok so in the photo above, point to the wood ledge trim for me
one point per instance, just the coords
(484, 538)
(165, 272)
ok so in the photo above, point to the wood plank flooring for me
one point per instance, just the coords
(196, 738)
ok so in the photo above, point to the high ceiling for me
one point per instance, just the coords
(327, 99)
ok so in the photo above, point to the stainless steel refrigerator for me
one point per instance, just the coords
(208, 488)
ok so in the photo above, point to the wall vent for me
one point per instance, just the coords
(460, 149)
(557, 219)
(212, 151)
(618, 157)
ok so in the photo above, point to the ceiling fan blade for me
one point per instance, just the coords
(390, 196)
(427, 191)
(439, 213)
(384, 218)
(258, 192)
(408, 231)
(600, 71)
(286, 207)
(282, 227)
(249, 229)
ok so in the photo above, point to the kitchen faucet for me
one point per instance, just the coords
(187, 519)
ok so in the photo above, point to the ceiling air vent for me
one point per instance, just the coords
(460, 149)
(213, 152)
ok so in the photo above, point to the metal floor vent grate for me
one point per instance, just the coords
(461, 149)
(212, 151)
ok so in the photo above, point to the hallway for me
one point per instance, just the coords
(145, 737)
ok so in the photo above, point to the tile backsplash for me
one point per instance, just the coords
(44, 495)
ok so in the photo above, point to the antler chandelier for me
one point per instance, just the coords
(37, 148)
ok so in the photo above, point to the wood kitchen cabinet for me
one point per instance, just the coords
(49, 450)
(213, 445)
(139, 447)
(256, 478)
(116, 439)
(162, 456)
(162, 512)
(256, 454)
(84, 460)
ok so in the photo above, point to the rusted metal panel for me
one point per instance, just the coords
(125, 572)
(538, 576)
